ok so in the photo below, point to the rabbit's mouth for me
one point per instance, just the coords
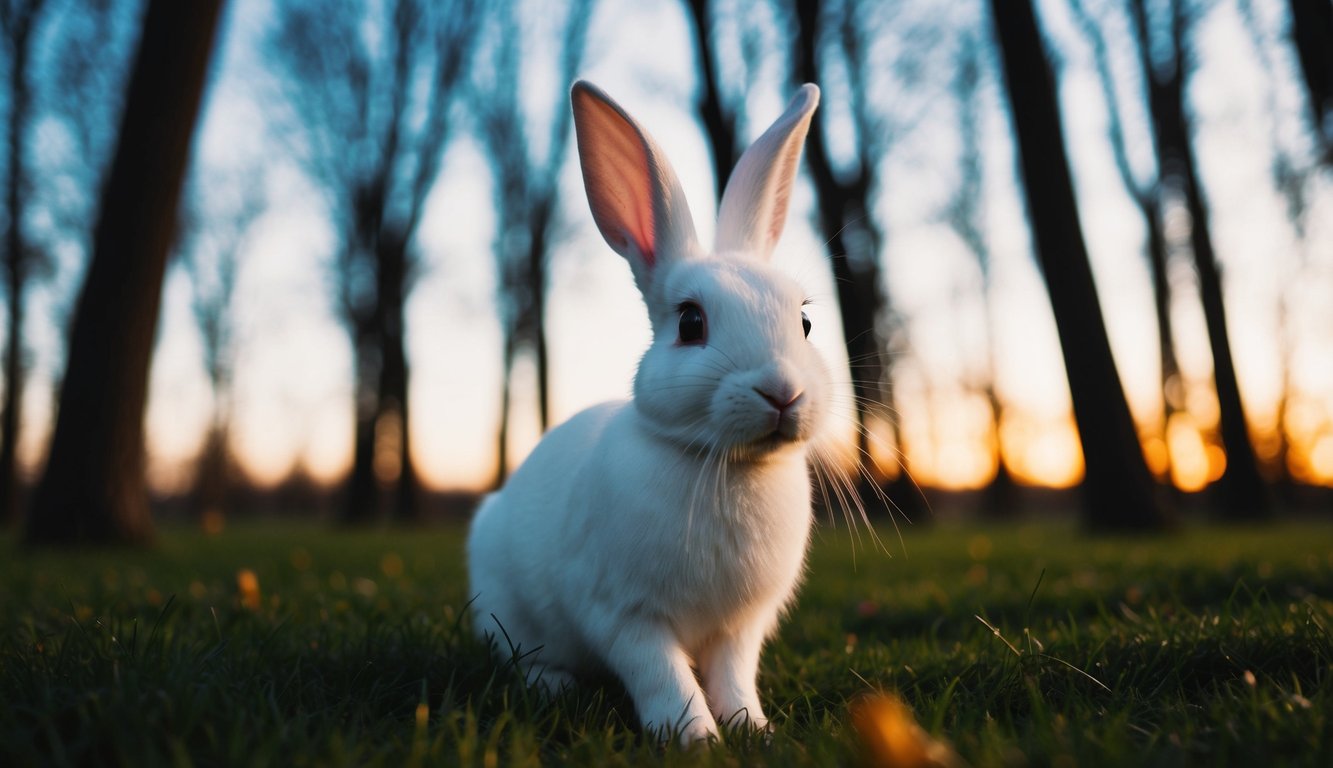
(768, 448)
(785, 434)
(778, 439)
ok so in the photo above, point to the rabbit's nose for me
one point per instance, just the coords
(781, 400)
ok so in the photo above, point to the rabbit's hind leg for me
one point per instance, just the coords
(517, 643)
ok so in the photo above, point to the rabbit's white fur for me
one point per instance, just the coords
(666, 534)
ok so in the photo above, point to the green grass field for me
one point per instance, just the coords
(1208, 647)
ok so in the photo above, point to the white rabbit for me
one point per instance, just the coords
(666, 534)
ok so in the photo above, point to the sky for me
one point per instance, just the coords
(293, 381)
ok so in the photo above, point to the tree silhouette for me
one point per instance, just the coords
(220, 213)
(852, 232)
(721, 104)
(18, 23)
(1147, 197)
(526, 192)
(93, 487)
(965, 214)
(1241, 493)
(66, 62)
(719, 120)
(1291, 171)
(370, 88)
(1117, 488)
(1312, 32)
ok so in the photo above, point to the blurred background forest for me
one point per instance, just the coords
(1066, 252)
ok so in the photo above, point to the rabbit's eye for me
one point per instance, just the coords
(805, 323)
(691, 324)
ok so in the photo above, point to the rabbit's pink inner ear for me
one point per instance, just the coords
(617, 175)
(784, 180)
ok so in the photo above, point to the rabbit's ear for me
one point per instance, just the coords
(635, 197)
(754, 206)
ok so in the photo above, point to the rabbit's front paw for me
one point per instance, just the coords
(690, 723)
(701, 728)
(742, 718)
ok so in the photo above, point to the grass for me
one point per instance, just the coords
(1023, 645)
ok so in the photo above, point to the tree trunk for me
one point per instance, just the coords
(1312, 31)
(394, 374)
(16, 257)
(1117, 488)
(407, 497)
(1283, 483)
(506, 388)
(211, 485)
(861, 300)
(539, 223)
(718, 124)
(1149, 202)
(361, 503)
(999, 499)
(93, 489)
(1150, 209)
(1240, 492)
(15, 379)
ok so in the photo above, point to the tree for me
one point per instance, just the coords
(370, 89)
(1241, 493)
(18, 22)
(965, 214)
(526, 189)
(1292, 170)
(93, 487)
(66, 69)
(1147, 197)
(1312, 32)
(853, 234)
(1117, 487)
(720, 109)
(219, 218)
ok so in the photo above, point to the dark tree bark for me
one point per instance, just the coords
(1240, 493)
(93, 489)
(1312, 31)
(508, 356)
(539, 231)
(1149, 205)
(394, 378)
(360, 504)
(1117, 487)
